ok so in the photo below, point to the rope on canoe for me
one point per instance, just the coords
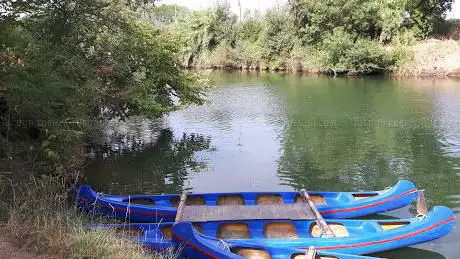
(113, 208)
(95, 202)
(127, 208)
(224, 245)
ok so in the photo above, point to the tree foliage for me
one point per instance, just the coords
(201, 31)
(341, 52)
(357, 36)
(68, 62)
(367, 18)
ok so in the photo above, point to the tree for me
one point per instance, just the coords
(315, 19)
(71, 61)
(202, 31)
(366, 18)
(139, 4)
(277, 36)
(425, 16)
(165, 14)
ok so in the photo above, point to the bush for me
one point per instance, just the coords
(304, 59)
(223, 57)
(449, 29)
(342, 54)
(249, 54)
(64, 69)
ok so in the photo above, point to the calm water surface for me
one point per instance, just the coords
(274, 132)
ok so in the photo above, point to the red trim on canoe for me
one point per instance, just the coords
(145, 213)
(369, 205)
(387, 240)
(195, 247)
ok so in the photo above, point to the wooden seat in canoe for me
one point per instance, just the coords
(252, 253)
(233, 231)
(267, 199)
(280, 230)
(227, 200)
(191, 201)
(339, 230)
(140, 201)
(317, 199)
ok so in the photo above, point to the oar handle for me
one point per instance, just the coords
(319, 218)
(180, 208)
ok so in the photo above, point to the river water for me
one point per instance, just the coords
(277, 132)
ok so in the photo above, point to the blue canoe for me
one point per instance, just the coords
(163, 208)
(195, 245)
(352, 236)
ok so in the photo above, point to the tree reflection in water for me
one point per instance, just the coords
(162, 166)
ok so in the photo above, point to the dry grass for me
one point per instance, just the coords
(433, 58)
(43, 222)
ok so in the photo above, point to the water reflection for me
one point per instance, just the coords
(161, 166)
(347, 134)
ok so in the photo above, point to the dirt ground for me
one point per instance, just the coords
(9, 251)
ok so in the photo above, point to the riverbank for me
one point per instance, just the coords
(428, 58)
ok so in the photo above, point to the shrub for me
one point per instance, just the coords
(343, 54)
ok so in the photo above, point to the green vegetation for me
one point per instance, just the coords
(305, 35)
(42, 220)
(75, 62)
(68, 66)
(449, 29)
(65, 68)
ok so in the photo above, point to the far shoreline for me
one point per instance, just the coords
(432, 58)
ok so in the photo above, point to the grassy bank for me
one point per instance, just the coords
(41, 220)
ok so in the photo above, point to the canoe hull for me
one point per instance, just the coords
(194, 245)
(332, 205)
(365, 236)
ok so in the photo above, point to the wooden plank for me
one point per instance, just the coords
(319, 218)
(311, 253)
(202, 213)
(180, 208)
